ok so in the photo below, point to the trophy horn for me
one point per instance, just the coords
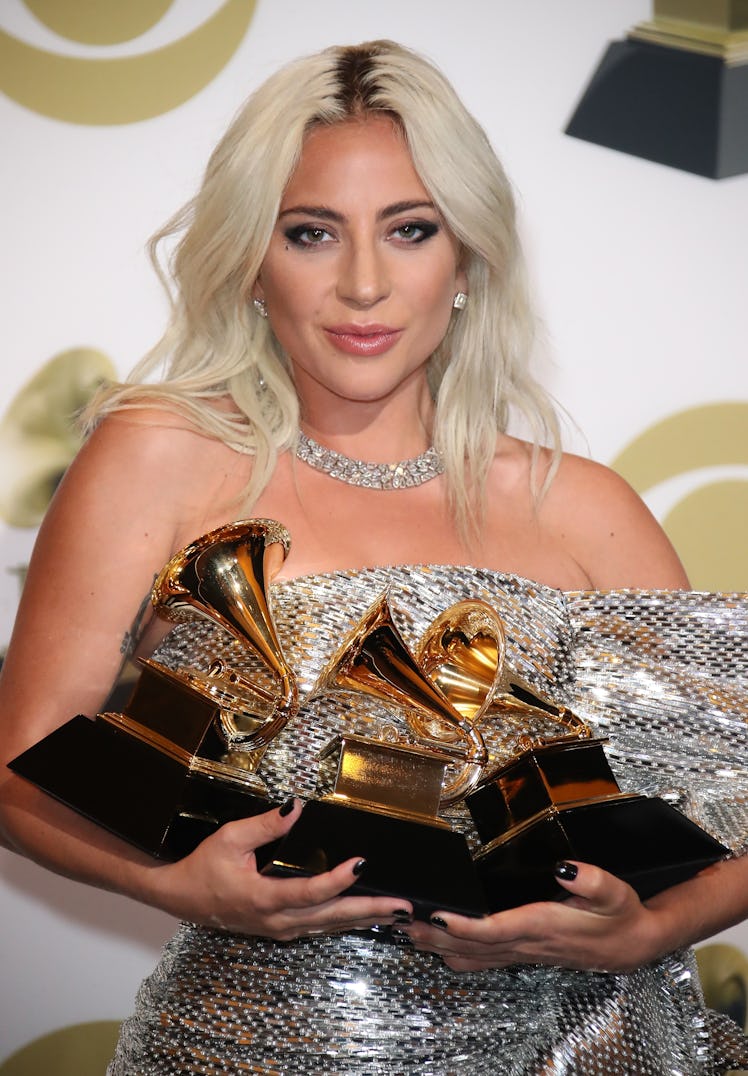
(374, 660)
(221, 577)
(463, 652)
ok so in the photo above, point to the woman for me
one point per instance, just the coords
(350, 269)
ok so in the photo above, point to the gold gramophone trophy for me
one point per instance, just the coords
(181, 760)
(380, 798)
(557, 799)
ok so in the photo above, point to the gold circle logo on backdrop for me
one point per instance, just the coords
(106, 22)
(121, 89)
(38, 433)
(723, 971)
(78, 1050)
(702, 453)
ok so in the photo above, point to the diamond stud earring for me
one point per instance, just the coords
(259, 305)
(460, 301)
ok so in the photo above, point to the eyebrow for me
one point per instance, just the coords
(323, 212)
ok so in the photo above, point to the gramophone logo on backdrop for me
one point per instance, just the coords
(692, 468)
(117, 88)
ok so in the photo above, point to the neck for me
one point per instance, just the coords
(379, 431)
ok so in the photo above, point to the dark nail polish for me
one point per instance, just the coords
(566, 871)
(400, 915)
(359, 867)
(287, 807)
(399, 937)
(437, 921)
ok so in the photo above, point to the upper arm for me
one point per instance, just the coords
(610, 531)
(109, 530)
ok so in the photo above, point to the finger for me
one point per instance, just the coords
(317, 889)
(437, 937)
(593, 888)
(360, 912)
(245, 835)
(502, 938)
(493, 929)
(341, 914)
(330, 887)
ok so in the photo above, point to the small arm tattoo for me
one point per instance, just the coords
(133, 636)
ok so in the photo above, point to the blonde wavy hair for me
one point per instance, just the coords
(215, 344)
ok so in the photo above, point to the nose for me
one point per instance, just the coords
(363, 278)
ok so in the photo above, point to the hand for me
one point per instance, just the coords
(219, 885)
(601, 926)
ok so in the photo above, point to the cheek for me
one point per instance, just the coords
(293, 292)
(282, 295)
(442, 282)
(434, 294)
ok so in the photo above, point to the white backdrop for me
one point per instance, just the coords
(639, 271)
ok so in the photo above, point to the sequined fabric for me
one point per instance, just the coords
(663, 675)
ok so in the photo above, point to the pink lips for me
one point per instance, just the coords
(363, 339)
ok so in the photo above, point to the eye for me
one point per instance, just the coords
(415, 231)
(307, 235)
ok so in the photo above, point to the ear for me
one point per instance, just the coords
(258, 290)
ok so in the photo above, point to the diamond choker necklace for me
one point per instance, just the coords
(402, 475)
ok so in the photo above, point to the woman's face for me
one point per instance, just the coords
(361, 271)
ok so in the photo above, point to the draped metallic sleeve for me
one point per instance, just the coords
(663, 675)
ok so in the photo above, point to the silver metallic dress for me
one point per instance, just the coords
(662, 675)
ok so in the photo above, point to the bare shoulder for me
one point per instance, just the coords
(149, 435)
(154, 462)
(141, 480)
(608, 528)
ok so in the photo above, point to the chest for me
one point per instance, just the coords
(335, 525)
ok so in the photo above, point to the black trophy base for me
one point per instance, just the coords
(643, 840)
(680, 108)
(138, 793)
(428, 865)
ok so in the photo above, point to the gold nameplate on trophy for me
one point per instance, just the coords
(397, 779)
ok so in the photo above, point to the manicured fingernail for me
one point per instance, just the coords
(437, 921)
(287, 807)
(401, 915)
(399, 937)
(359, 867)
(566, 871)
